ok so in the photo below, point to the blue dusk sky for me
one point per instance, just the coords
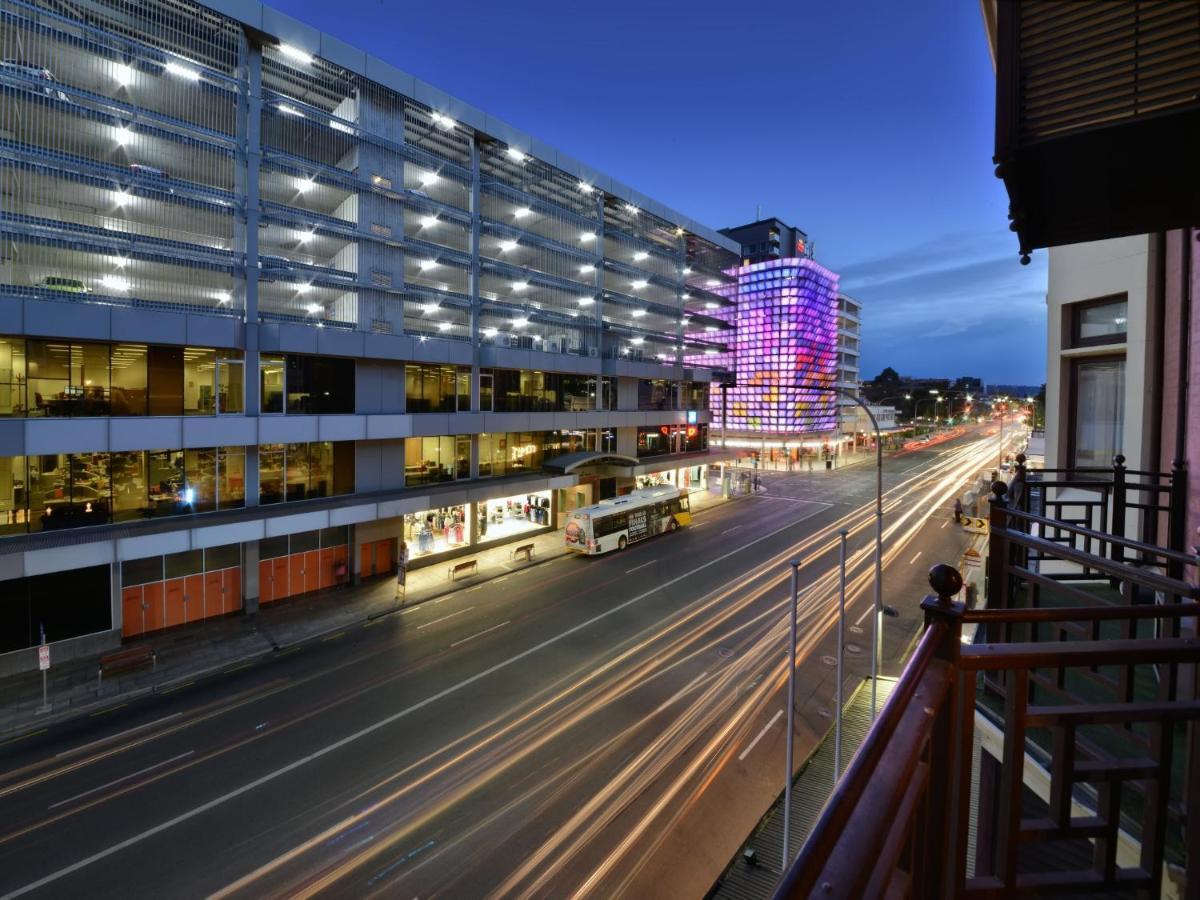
(866, 123)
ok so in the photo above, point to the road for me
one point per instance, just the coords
(586, 727)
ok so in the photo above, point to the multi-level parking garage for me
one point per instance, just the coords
(244, 264)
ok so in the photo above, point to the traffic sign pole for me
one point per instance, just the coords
(44, 665)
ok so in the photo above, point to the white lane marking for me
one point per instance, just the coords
(683, 690)
(119, 780)
(754, 743)
(868, 611)
(642, 566)
(734, 528)
(481, 633)
(376, 726)
(500, 579)
(914, 559)
(794, 500)
(119, 734)
(444, 618)
(944, 524)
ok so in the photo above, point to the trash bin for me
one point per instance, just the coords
(829, 463)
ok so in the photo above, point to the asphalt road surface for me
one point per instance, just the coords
(585, 727)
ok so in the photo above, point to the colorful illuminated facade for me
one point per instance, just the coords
(785, 316)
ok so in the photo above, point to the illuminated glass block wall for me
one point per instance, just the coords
(786, 340)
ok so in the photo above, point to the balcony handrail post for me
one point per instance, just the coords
(936, 872)
(1116, 551)
(1177, 517)
(998, 548)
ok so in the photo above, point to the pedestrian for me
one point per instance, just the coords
(402, 572)
(957, 511)
(756, 482)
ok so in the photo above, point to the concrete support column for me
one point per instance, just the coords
(474, 456)
(473, 289)
(250, 585)
(252, 475)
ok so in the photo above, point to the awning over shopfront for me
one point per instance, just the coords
(571, 462)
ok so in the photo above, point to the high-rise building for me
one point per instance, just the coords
(769, 239)
(269, 299)
(849, 376)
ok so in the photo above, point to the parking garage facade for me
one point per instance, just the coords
(264, 297)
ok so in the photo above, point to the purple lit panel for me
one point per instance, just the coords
(786, 341)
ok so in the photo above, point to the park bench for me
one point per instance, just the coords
(126, 660)
(470, 567)
(525, 550)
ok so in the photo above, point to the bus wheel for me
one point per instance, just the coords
(672, 525)
(621, 542)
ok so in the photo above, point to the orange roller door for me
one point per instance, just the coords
(131, 612)
(231, 582)
(175, 589)
(280, 573)
(214, 605)
(266, 581)
(153, 607)
(193, 590)
(312, 571)
(295, 574)
(366, 560)
(383, 556)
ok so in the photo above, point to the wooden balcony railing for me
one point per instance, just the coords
(1083, 675)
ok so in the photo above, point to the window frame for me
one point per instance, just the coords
(1075, 314)
(1073, 401)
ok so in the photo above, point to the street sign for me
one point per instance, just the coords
(975, 524)
(972, 558)
(43, 656)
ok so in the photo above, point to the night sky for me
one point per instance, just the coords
(866, 123)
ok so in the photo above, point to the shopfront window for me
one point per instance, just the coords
(508, 516)
(654, 441)
(434, 531)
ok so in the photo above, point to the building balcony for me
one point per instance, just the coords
(1041, 743)
(1097, 118)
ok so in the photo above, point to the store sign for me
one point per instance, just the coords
(691, 417)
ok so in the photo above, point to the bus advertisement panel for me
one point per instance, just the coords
(615, 524)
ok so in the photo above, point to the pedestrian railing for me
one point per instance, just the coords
(1041, 745)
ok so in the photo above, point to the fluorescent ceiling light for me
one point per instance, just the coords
(179, 71)
(585, 187)
(710, 328)
(640, 255)
(295, 53)
(710, 352)
(506, 246)
(711, 306)
(514, 153)
(120, 261)
(223, 296)
(341, 126)
(687, 270)
(443, 326)
(122, 74)
(427, 264)
(520, 285)
(314, 308)
(586, 269)
(428, 178)
(114, 283)
(304, 185)
(638, 313)
(442, 121)
(428, 221)
(587, 236)
(519, 323)
(304, 237)
(430, 307)
(712, 282)
(631, 209)
(638, 285)
(488, 332)
(522, 212)
(303, 287)
(586, 301)
(679, 232)
(288, 109)
(638, 341)
(122, 135)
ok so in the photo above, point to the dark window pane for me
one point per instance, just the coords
(304, 541)
(129, 382)
(273, 547)
(270, 473)
(271, 369)
(165, 367)
(141, 571)
(189, 562)
(226, 557)
(334, 537)
(343, 467)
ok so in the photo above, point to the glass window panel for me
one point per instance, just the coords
(334, 537)
(199, 381)
(1099, 411)
(13, 514)
(485, 392)
(165, 476)
(464, 390)
(230, 389)
(343, 467)
(270, 473)
(128, 391)
(298, 387)
(297, 471)
(141, 571)
(462, 456)
(200, 472)
(89, 391)
(225, 557)
(178, 565)
(447, 396)
(130, 494)
(1106, 320)
(12, 377)
(49, 369)
(331, 384)
(165, 370)
(271, 369)
(273, 547)
(231, 477)
(304, 541)
(320, 469)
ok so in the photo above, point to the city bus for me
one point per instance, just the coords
(615, 524)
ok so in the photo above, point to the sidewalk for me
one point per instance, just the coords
(213, 645)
